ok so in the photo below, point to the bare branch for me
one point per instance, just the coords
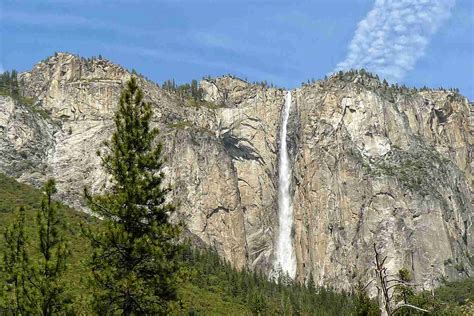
(410, 306)
(363, 289)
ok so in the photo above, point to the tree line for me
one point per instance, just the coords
(188, 90)
(9, 84)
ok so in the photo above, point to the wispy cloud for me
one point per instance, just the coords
(394, 35)
(238, 46)
(190, 58)
(209, 47)
(54, 20)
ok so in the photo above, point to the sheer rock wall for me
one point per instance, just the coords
(371, 164)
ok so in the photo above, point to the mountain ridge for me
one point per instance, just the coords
(356, 75)
(371, 163)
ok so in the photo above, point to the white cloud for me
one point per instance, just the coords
(394, 35)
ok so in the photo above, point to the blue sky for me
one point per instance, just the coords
(416, 42)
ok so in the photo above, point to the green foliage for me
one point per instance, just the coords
(252, 292)
(12, 196)
(403, 291)
(15, 263)
(36, 286)
(309, 82)
(459, 267)
(186, 91)
(134, 262)
(414, 169)
(190, 93)
(450, 299)
(311, 285)
(46, 273)
(373, 82)
(363, 305)
(257, 302)
(10, 86)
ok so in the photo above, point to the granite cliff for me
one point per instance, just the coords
(370, 164)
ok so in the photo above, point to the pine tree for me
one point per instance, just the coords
(35, 287)
(404, 290)
(46, 274)
(9, 84)
(135, 261)
(15, 261)
(257, 302)
(363, 305)
(311, 285)
(194, 90)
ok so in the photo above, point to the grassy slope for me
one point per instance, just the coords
(14, 194)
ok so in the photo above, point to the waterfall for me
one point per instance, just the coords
(285, 253)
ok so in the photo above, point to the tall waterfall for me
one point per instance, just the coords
(285, 253)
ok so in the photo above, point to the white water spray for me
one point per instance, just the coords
(285, 253)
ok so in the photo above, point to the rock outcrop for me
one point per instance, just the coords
(371, 164)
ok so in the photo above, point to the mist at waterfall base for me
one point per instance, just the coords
(285, 260)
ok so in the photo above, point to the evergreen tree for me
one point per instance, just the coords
(45, 276)
(257, 302)
(311, 285)
(194, 89)
(15, 261)
(404, 290)
(363, 305)
(9, 84)
(36, 287)
(134, 264)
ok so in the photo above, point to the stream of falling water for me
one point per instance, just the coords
(285, 253)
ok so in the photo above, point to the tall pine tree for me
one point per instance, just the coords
(14, 268)
(135, 261)
(46, 274)
(35, 287)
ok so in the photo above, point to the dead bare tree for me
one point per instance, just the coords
(386, 282)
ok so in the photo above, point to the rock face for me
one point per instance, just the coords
(374, 166)
(371, 164)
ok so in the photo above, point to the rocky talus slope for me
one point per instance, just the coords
(371, 164)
